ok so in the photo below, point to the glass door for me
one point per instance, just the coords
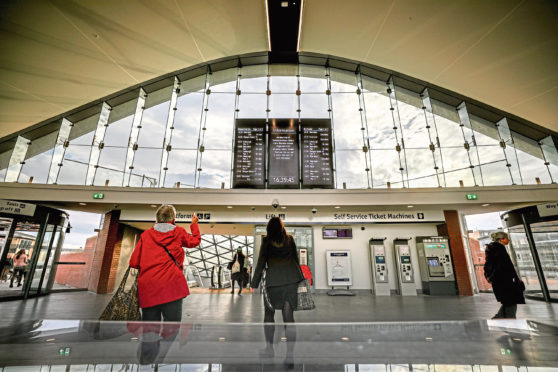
(521, 255)
(42, 259)
(545, 235)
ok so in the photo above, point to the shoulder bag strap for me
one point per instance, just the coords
(170, 255)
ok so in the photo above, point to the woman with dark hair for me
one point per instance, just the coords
(500, 272)
(20, 264)
(278, 255)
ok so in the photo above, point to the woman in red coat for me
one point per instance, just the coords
(159, 256)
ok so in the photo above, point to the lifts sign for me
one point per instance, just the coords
(378, 217)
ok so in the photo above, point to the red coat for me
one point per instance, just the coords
(160, 280)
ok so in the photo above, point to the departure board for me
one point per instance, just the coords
(249, 154)
(317, 162)
(283, 154)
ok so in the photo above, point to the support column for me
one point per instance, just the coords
(107, 253)
(458, 253)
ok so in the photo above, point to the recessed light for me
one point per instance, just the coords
(50, 339)
(486, 205)
(153, 206)
(344, 338)
(337, 207)
(283, 339)
(429, 339)
(81, 203)
(410, 206)
(229, 206)
(222, 339)
(283, 207)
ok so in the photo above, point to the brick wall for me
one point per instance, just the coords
(77, 275)
(103, 271)
(478, 257)
(452, 229)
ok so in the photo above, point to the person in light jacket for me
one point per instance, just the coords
(161, 281)
(500, 272)
(278, 255)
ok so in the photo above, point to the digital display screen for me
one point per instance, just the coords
(317, 159)
(380, 259)
(249, 154)
(433, 262)
(331, 233)
(405, 259)
(283, 154)
(441, 246)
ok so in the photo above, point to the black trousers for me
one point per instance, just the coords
(506, 312)
(170, 311)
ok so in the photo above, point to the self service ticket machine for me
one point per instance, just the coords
(436, 268)
(379, 267)
(404, 266)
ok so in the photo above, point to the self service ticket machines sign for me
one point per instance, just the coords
(379, 267)
(404, 266)
(436, 268)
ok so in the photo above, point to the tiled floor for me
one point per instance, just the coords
(223, 308)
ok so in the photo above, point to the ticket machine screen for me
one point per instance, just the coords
(380, 259)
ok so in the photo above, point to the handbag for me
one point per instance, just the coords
(267, 301)
(236, 267)
(305, 299)
(124, 305)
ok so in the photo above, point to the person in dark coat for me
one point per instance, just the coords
(242, 276)
(278, 255)
(500, 272)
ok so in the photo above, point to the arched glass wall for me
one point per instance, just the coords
(180, 134)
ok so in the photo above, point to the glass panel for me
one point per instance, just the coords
(449, 132)
(420, 164)
(509, 150)
(493, 166)
(252, 106)
(456, 167)
(219, 123)
(97, 140)
(154, 120)
(24, 238)
(548, 147)
(253, 79)
(283, 106)
(531, 161)
(343, 81)
(16, 159)
(83, 131)
(181, 167)
(223, 80)
(312, 79)
(187, 121)
(350, 167)
(519, 248)
(59, 150)
(111, 166)
(74, 165)
(346, 121)
(413, 121)
(132, 142)
(36, 168)
(486, 132)
(42, 260)
(380, 121)
(314, 105)
(283, 79)
(216, 167)
(52, 259)
(545, 235)
(146, 168)
(120, 124)
(385, 168)
(5, 156)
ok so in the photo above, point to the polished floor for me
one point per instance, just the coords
(228, 308)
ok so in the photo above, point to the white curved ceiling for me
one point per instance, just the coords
(58, 55)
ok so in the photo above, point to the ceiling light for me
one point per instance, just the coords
(283, 339)
(410, 206)
(344, 339)
(229, 206)
(486, 205)
(81, 203)
(50, 339)
(429, 339)
(222, 339)
(283, 207)
(337, 207)
(153, 206)
(284, 4)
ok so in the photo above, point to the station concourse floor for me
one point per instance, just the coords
(249, 308)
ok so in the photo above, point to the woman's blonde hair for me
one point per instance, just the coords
(497, 235)
(165, 213)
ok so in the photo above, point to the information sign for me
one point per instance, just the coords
(317, 163)
(249, 154)
(339, 268)
(283, 154)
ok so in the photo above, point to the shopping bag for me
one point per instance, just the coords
(236, 267)
(124, 305)
(305, 299)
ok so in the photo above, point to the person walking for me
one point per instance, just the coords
(20, 265)
(159, 256)
(278, 255)
(239, 266)
(500, 272)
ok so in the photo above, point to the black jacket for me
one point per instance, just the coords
(282, 264)
(499, 270)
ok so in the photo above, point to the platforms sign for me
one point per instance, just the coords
(15, 207)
